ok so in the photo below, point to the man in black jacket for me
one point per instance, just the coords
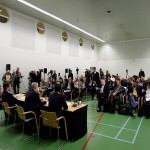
(116, 96)
(33, 101)
(103, 94)
(95, 82)
(57, 101)
(141, 73)
(8, 97)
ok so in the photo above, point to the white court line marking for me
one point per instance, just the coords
(122, 128)
(112, 125)
(88, 102)
(110, 137)
(137, 131)
(92, 107)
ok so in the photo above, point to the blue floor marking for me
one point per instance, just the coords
(122, 128)
(110, 137)
(111, 125)
(137, 130)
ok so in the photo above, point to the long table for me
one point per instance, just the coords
(76, 118)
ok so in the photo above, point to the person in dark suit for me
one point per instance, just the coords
(54, 75)
(103, 94)
(33, 101)
(69, 87)
(95, 82)
(141, 73)
(8, 97)
(57, 101)
(116, 96)
(16, 80)
(70, 74)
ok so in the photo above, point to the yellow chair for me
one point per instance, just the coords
(1, 109)
(7, 110)
(50, 119)
(22, 116)
(140, 102)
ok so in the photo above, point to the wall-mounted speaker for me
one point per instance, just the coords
(8, 67)
(45, 70)
(66, 70)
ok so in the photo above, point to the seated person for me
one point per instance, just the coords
(78, 85)
(33, 101)
(61, 84)
(84, 86)
(51, 86)
(69, 86)
(8, 97)
(103, 94)
(57, 101)
(134, 92)
(116, 96)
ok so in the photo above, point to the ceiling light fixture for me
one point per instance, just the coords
(59, 19)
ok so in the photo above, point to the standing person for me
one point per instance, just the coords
(70, 74)
(16, 80)
(95, 82)
(7, 77)
(54, 75)
(141, 73)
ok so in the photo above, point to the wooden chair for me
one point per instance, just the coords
(22, 116)
(1, 113)
(50, 119)
(140, 102)
(7, 111)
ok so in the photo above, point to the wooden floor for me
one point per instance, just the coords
(105, 131)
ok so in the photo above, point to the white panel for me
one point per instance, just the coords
(23, 31)
(53, 40)
(73, 46)
(87, 49)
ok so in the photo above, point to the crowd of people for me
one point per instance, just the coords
(108, 90)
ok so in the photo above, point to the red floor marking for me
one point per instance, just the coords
(91, 135)
(96, 116)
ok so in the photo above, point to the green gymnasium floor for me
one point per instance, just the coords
(105, 131)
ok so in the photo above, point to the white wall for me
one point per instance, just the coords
(22, 46)
(131, 55)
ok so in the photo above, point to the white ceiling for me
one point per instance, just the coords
(129, 19)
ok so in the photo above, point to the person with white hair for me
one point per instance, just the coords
(33, 101)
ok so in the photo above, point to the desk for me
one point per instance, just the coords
(76, 118)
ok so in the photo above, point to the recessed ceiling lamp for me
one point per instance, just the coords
(59, 19)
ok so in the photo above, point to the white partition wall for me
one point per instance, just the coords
(131, 55)
(22, 46)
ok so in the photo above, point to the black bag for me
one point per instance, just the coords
(123, 110)
(140, 112)
(106, 106)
